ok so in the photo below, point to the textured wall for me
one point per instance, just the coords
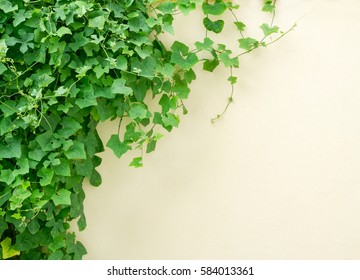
(277, 178)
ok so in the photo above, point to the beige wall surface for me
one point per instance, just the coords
(277, 178)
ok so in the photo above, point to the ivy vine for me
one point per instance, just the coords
(67, 65)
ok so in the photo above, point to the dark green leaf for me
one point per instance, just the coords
(119, 148)
(62, 197)
(217, 8)
(76, 151)
(214, 26)
(210, 65)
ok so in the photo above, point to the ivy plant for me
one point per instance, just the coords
(66, 66)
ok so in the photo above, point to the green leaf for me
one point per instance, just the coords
(79, 41)
(18, 196)
(147, 67)
(34, 226)
(76, 151)
(95, 179)
(23, 164)
(97, 22)
(227, 60)
(7, 7)
(45, 141)
(181, 88)
(167, 7)
(170, 120)
(206, 45)
(214, 26)
(232, 79)
(240, 25)
(3, 68)
(7, 250)
(8, 108)
(57, 243)
(87, 97)
(69, 127)
(119, 148)
(118, 87)
(75, 247)
(131, 134)
(62, 197)
(268, 6)
(84, 168)
(62, 169)
(210, 65)
(82, 222)
(121, 63)
(267, 30)
(37, 154)
(167, 103)
(63, 31)
(184, 62)
(248, 43)
(46, 176)
(20, 17)
(136, 162)
(7, 176)
(11, 148)
(139, 111)
(57, 255)
(179, 47)
(217, 8)
(3, 225)
(189, 76)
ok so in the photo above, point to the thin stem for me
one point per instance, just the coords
(230, 99)
(237, 20)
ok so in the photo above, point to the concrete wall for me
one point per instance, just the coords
(277, 178)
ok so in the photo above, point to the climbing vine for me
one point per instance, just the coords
(66, 66)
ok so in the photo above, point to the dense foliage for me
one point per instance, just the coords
(67, 65)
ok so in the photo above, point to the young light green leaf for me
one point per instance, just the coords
(7, 7)
(268, 30)
(248, 43)
(268, 6)
(7, 249)
(206, 45)
(63, 31)
(228, 61)
(240, 25)
(136, 162)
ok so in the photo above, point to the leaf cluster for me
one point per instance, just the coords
(66, 66)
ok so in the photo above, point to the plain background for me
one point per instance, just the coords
(277, 178)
